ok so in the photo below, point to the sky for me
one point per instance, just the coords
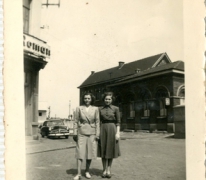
(94, 35)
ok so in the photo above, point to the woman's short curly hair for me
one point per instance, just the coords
(91, 95)
(108, 94)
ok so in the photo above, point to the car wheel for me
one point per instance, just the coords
(66, 137)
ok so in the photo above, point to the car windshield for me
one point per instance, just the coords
(55, 123)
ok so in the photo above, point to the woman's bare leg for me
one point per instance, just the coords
(104, 165)
(79, 166)
(109, 166)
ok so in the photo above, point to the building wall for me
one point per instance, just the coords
(31, 98)
(42, 116)
(32, 65)
(35, 18)
(132, 98)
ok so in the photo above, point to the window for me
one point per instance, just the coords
(181, 94)
(98, 94)
(161, 95)
(40, 114)
(182, 101)
(163, 111)
(144, 95)
(132, 112)
(146, 110)
(26, 11)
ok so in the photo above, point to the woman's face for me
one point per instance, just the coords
(87, 100)
(108, 100)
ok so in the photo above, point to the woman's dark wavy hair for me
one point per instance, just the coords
(92, 97)
(108, 94)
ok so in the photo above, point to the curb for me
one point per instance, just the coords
(51, 150)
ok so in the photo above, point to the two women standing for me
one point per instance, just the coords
(87, 125)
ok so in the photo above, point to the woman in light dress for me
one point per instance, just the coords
(86, 134)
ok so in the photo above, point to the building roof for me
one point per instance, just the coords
(125, 70)
(159, 70)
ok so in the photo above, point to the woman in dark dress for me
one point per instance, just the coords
(109, 134)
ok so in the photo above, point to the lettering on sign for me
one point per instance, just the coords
(36, 46)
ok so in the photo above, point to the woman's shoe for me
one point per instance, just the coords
(104, 175)
(87, 175)
(77, 177)
(108, 175)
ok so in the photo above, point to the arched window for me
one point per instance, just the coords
(144, 95)
(161, 95)
(181, 94)
(130, 100)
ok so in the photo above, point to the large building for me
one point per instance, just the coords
(146, 90)
(36, 51)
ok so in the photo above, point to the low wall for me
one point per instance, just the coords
(179, 121)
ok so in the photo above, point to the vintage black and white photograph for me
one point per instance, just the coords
(104, 89)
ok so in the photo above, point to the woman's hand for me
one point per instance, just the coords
(75, 138)
(117, 136)
(97, 138)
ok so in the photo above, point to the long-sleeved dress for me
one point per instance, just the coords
(108, 146)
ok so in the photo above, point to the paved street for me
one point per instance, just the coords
(145, 156)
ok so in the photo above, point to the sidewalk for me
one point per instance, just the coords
(42, 144)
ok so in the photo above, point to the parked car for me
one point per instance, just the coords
(54, 128)
(70, 124)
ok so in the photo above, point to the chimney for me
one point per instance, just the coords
(92, 72)
(137, 70)
(121, 64)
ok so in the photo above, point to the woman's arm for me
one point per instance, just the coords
(97, 121)
(117, 117)
(118, 124)
(118, 129)
(76, 120)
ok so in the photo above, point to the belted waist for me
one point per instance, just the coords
(109, 121)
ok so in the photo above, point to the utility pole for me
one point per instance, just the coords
(73, 113)
(69, 107)
(49, 110)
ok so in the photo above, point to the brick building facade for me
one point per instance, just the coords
(146, 91)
